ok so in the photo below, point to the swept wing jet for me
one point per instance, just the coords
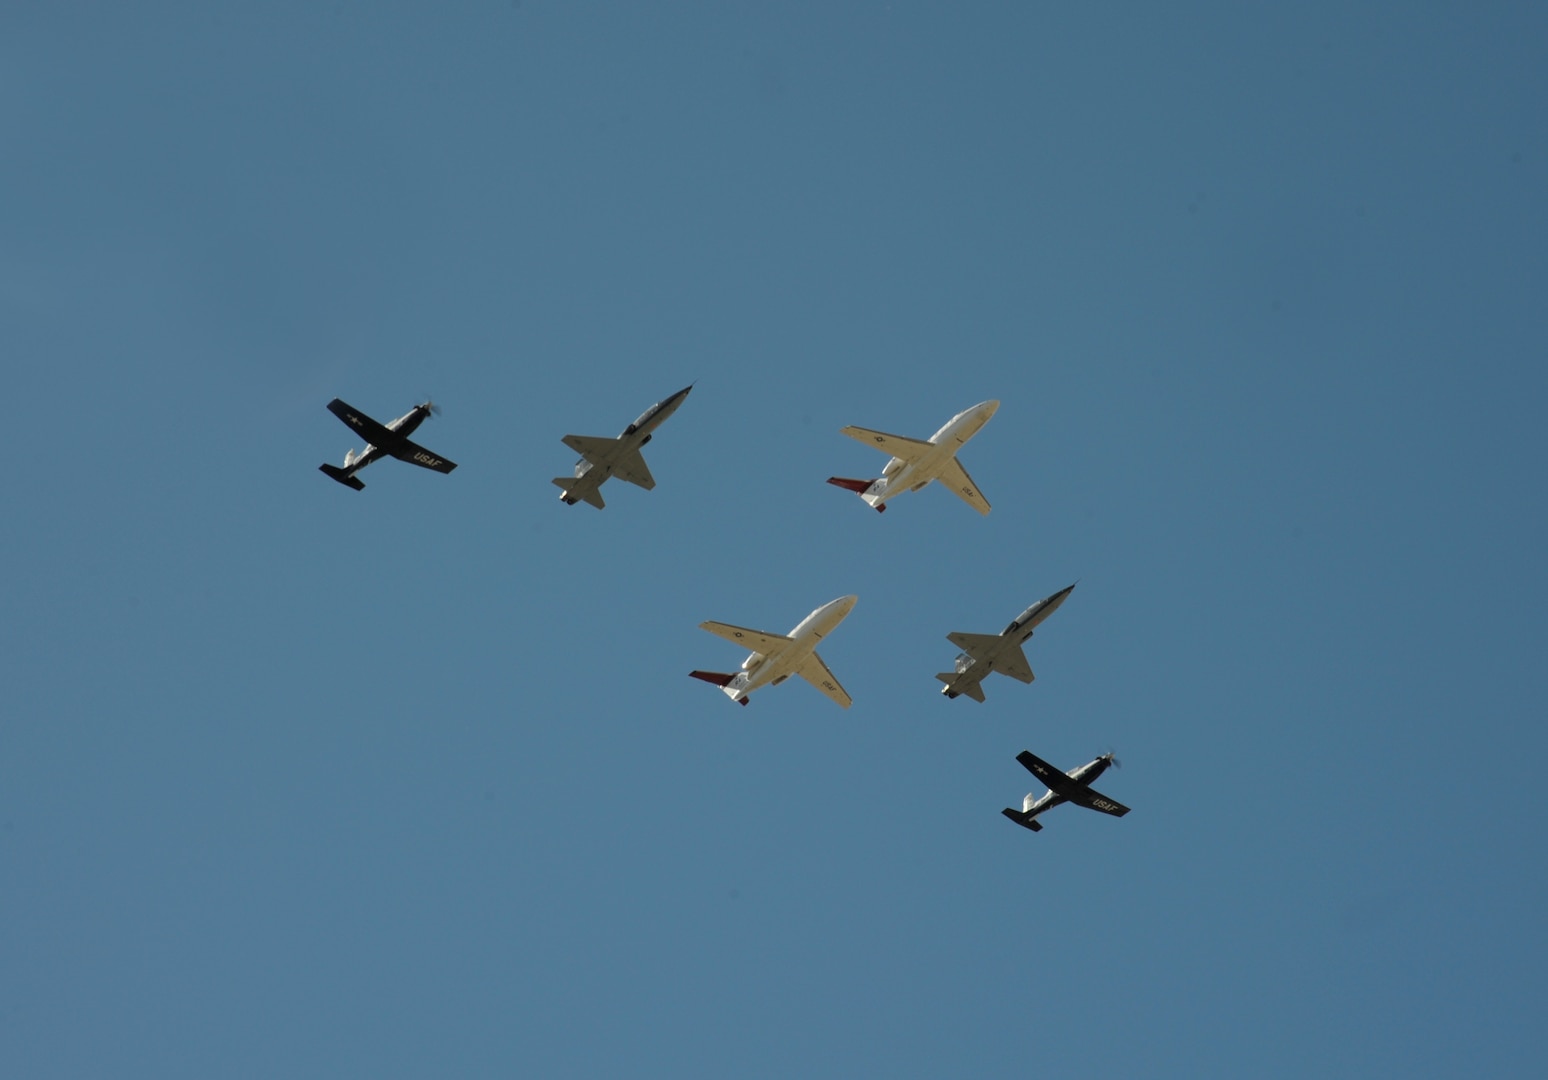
(601, 458)
(983, 653)
(915, 463)
(384, 440)
(1073, 786)
(776, 657)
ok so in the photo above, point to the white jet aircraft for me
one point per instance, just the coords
(776, 657)
(914, 463)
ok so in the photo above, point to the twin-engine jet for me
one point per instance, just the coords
(915, 463)
(620, 457)
(983, 653)
(390, 440)
(776, 657)
(1073, 786)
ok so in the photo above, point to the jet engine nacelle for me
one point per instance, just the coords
(753, 662)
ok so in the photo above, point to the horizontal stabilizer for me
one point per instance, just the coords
(859, 487)
(345, 478)
(719, 678)
(566, 484)
(1023, 820)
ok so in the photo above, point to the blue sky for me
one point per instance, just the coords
(298, 781)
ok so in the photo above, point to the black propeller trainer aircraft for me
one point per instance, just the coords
(1073, 786)
(389, 440)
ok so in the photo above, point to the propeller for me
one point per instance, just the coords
(1112, 758)
(435, 410)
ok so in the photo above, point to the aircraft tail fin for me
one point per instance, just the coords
(718, 678)
(347, 479)
(859, 487)
(1022, 819)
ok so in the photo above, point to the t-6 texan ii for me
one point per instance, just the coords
(916, 462)
(602, 457)
(389, 440)
(1073, 786)
(983, 653)
(776, 657)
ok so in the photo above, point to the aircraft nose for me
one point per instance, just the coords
(843, 604)
(989, 408)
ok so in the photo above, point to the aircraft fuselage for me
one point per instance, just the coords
(970, 669)
(594, 469)
(760, 669)
(900, 475)
(1084, 775)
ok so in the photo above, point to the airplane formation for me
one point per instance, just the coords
(772, 658)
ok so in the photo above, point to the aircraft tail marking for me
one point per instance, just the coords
(347, 479)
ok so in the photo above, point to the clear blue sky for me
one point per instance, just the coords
(301, 782)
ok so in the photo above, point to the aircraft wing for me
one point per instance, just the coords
(978, 646)
(1053, 779)
(896, 445)
(364, 426)
(1092, 799)
(955, 477)
(591, 447)
(1013, 662)
(754, 640)
(814, 671)
(632, 468)
(414, 454)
